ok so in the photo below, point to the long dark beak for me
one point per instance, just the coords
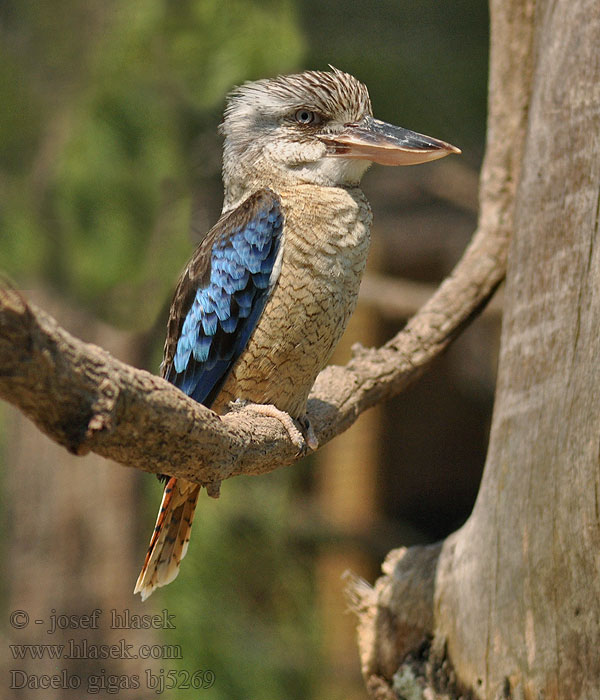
(379, 142)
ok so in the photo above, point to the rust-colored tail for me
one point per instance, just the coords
(171, 536)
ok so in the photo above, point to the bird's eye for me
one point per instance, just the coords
(305, 116)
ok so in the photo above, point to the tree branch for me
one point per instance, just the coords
(86, 400)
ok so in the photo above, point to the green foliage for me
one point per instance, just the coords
(97, 176)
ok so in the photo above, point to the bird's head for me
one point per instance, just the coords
(315, 127)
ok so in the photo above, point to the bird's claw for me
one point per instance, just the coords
(304, 439)
(308, 433)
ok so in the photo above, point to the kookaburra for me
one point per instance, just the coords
(267, 294)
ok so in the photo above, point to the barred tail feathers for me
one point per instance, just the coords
(170, 538)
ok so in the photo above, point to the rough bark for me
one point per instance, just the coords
(510, 605)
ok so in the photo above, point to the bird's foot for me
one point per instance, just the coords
(304, 439)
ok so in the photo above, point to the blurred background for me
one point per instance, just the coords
(109, 176)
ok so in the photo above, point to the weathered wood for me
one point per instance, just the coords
(515, 611)
(519, 587)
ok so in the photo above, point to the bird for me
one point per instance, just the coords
(267, 294)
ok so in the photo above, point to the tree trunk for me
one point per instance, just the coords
(509, 606)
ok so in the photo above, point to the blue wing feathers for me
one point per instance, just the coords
(227, 304)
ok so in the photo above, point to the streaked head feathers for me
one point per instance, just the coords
(334, 95)
(316, 128)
